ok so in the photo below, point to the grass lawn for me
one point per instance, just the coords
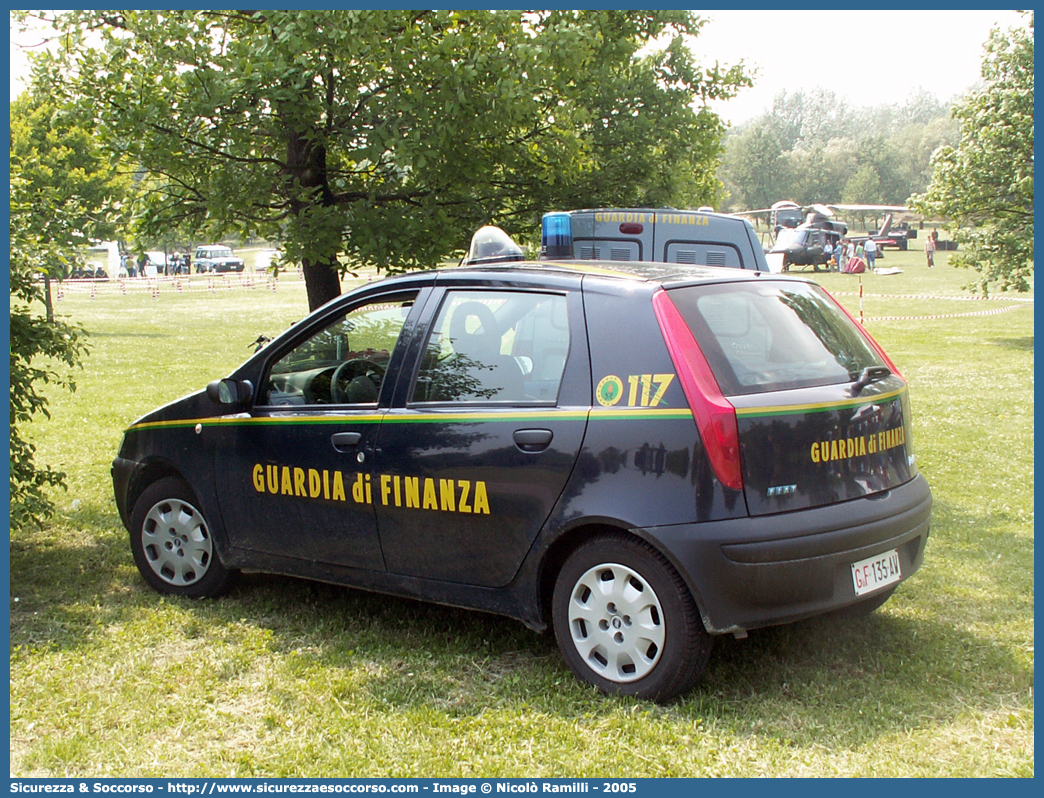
(285, 677)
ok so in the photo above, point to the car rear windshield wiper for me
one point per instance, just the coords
(259, 343)
(870, 374)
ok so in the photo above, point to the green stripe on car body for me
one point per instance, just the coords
(817, 407)
(457, 417)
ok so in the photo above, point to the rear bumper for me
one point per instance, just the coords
(753, 572)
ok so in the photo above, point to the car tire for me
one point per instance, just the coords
(626, 622)
(173, 544)
(864, 607)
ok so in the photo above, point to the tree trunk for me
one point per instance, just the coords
(306, 162)
(322, 282)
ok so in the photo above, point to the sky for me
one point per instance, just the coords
(865, 57)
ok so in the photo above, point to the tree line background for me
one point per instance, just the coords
(814, 147)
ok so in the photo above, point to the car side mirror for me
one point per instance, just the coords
(230, 392)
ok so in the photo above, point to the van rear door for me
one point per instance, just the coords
(694, 237)
(620, 235)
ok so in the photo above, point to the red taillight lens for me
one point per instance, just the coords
(715, 416)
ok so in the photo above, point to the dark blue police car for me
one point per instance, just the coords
(640, 458)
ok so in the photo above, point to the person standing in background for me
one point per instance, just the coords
(930, 247)
(870, 248)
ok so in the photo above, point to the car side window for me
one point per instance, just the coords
(495, 346)
(344, 362)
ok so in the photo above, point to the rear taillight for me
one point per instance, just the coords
(715, 416)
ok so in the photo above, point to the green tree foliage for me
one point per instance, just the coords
(63, 193)
(915, 144)
(76, 193)
(36, 346)
(863, 187)
(757, 170)
(386, 137)
(984, 185)
(807, 120)
(882, 157)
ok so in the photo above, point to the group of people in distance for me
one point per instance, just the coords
(131, 266)
(852, 258)
(849, 257)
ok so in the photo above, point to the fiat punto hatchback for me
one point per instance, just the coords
(640, 459)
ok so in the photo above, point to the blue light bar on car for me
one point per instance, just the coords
(556, 236)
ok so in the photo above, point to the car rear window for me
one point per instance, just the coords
(771, 336)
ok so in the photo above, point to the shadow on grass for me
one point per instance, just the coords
(1024, 344)
(826, 681)
(844, 683)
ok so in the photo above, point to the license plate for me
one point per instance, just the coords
(876, 572)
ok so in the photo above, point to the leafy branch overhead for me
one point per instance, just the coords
(984, 185)
(386, 137)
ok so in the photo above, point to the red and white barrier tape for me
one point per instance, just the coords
(176, 283)
(945, 315)
(933, 296)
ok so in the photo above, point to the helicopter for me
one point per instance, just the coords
(811, 242)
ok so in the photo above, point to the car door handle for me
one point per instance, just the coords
(533, 440)
(345, 440)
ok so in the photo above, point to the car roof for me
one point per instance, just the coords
(617, 275)
(666, 274)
